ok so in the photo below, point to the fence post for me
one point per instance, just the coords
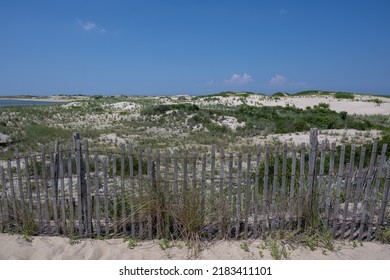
(87, 196)
(312, 166)
(5, 219)
(54, 168)
(81, 185)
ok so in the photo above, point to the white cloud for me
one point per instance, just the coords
(278, 80)
(283, 11)
(89, 26)
(238, 79)
(210, 83)
(283, 82)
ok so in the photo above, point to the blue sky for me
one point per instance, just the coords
(194, 47)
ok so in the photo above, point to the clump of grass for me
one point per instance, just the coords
(383, 235)
(244, 246)
(131, 242)
(27, 238)
(164, 244)
(188, 216)
(73, 238)
(315, 238)
(279, 242)
(278, 250)
(188, 219)
(25, 226)
(377, 101)
(29, 226)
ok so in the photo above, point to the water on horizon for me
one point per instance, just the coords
(4, 103)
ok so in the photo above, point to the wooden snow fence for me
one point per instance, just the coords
(148, 193)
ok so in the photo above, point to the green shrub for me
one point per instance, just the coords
(344, 95)
(162, 109)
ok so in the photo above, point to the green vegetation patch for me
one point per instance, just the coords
(162, 109)
(344, 95)
(230, 94)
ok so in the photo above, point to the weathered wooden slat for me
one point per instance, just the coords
(238, 202)
(175, 177)
(292, 189)
(70, 189)
(229, 196)
(79, 187)
(194, 193)
(185, 173)
(283, 190)
(81, 184)
(385, 199)
(88, 207)
(123, 191)
(140, 196)
(357, 193)
(348, 190)
(115, 195)
(264, 211)
(159, 193)
(20, 184)
(256, 193)
(221, 197)
(61, 174)
(247, 193)
(54, 188)
(338, 191)
(13, 196)
(4, 197)
(203, 190)
(97, 191)
(328, 194)
(368, 189)
(312, 167)
(221, 205)
(301, 186)
(2, 214)
(212, 191)
(150, 194)
(45, 191)
(167, 207)
(132, 191)
(28, 184)
(374, 197)
(275, 185)
(320, 178)
(175, 187)
(106, 198)
(37, 194)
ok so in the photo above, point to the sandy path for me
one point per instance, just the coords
(47, 248)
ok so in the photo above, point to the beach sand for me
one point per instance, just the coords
(15, 247)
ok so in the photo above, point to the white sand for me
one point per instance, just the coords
(4, 138)
(50, 247)
(360, 105)
(54, 98)
(331, 135)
